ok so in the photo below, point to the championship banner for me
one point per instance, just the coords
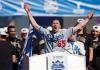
(50, 7)
(57, 61)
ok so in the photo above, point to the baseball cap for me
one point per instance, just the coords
(2, 31)
(80, 20)
(24, 30)
(96, 28)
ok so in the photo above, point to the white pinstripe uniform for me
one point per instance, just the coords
(76, 48)
(55, 42)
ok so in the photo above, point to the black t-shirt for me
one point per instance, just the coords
(36, 48)
(87, 40)
(6, 52)
(17, 45)
(97, 51)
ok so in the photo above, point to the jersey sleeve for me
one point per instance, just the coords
(69, 31)
(43, 31)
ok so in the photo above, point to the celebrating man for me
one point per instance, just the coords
(56, 39)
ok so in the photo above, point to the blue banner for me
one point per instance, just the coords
(50, 7)
(27, 50)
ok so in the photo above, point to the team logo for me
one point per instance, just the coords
(57, 65)
(50, 6)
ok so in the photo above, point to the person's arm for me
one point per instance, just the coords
(83, 23)
(33, 22)
(91, 55)
(14, 60)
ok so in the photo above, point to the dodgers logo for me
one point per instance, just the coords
(76, 50)
(57, 65)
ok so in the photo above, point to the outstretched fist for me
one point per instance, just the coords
(90, 15)
(27, 9)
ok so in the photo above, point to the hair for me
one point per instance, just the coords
(10, 27)
(59, 19)
(54, 20)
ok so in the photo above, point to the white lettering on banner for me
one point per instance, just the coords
(50, 6)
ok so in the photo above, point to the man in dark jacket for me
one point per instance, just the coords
(15, 42)
(7, 53)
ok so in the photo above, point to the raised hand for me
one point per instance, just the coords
(27, 9)
(90, 15)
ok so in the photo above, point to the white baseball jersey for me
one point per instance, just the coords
(76, 48)
(56, 41)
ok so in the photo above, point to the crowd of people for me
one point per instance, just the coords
(74, 40)
(11, 47)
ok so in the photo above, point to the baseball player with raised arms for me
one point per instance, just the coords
(56, 39)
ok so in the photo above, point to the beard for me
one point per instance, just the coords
(12, 38)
